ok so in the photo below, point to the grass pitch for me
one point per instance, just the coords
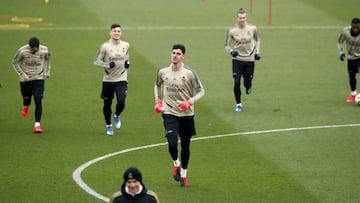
(299, 82)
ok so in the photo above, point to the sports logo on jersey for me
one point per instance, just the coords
(183, 79)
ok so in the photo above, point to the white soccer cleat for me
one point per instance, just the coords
(109, 130)
(238, 108)
(117, 122)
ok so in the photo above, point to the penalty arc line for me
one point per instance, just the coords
(77, 173)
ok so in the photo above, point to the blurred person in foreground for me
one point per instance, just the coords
(243, 44)
(177, 88)
(114, 57)
(351, 36)
(32, 63)
(133, 189)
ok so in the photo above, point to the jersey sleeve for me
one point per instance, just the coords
(341, 40)
(47, 64)
(99, 58)
(17, 61)
(198, 87)
(228, 40)
(158, 84)
(257, 41)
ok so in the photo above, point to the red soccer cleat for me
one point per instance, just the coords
(176, 173)
(25, 111)
(184, 182)
(351, 98)
(37, 129)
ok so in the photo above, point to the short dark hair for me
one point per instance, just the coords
(355, 21)
(34, 42)
(114, 26)
(179, 46)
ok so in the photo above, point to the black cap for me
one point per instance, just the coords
(132, 173)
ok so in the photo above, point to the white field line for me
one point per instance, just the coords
(77, 173)
(170, 28)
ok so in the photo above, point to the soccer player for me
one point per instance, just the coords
(133, 189)
(350, 35)
(114, 57)
(177, 88)
(243, 43)
(32, 63)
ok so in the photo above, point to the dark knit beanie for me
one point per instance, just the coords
(355, 21)
(132, 173)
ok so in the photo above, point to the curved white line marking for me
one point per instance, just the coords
(77, 173)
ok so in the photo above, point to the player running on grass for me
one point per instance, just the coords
(351, 36)
(177, 87)
(245, 40)
(114, 57)
(32, 63)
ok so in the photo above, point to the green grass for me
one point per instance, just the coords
(299, 82)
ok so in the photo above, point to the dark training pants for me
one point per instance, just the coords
(33, 88)
(108, 90)
(353, 68)
(245, 69)
(184, 127)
